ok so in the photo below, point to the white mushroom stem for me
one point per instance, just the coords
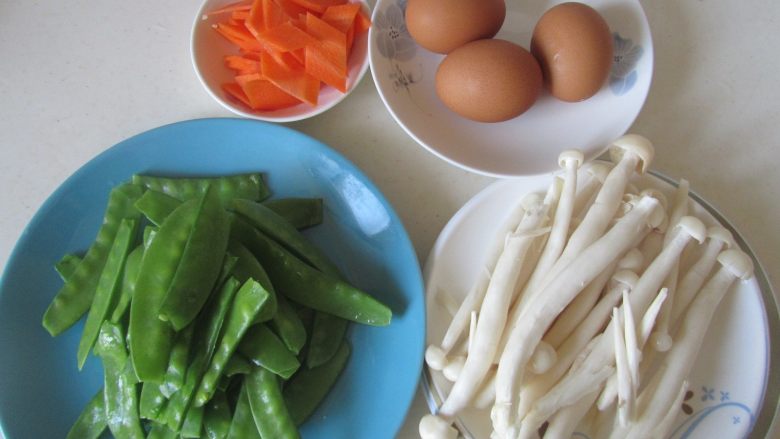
(625, 386)
(487, 392)
(578, 309)
(679, 360)
(563, 423)
(667, 423)
(633, 348)
(493, 312)
(586, 192)
(646, 287)
(718, 239)
(460, 320)
(576, 342)
(537, 317)
(645, 328)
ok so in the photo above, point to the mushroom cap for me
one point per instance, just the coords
(737, 262)
(632, 260)
(693, 226)
(435, 427)
(599, 171)
(655, 193)
(544, 358)
(720, 233)
(570, 155)
(635, 144)
(626, 277)
(453, 368)
(531, 201)
(657, 216)
(435, 357)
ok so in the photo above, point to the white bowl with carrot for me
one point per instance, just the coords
(280, 60)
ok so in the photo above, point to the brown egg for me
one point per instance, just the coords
(489, 80)
(574, 47)
(444, 25)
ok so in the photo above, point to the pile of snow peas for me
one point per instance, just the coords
(211, 312)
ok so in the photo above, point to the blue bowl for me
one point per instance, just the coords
(41, 390)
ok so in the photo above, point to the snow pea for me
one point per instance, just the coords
(149, 233)
(177, 364)
(129, 277)
(67, 265)
(288, 325)
(310, 287)
(326, 336)
(276, 227)
(199, 264)
(75, 296)
(193, 422)
(119, 390)
(92, 420)
(242, 426)
(107, 287)
(249, 186)
(237, 365)
(159, 431)
(151, 339)
(307, 388)
(216, 419)
(249, 300)
(261, 346)
(156, 206)
(205, 339)
(246, 268)
(268, 408)
(152, 402)
(301, 213)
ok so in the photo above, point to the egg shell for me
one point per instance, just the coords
(489, 80)
(444, 25)
(573, 44)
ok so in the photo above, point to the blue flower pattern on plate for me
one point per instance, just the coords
(626, 55)
(393, 39)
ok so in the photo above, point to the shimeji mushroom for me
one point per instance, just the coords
(677, 364)
(586, 193)
(566, 420)
(648, 284)
(493, 312)
(539, 314)
(434, 427)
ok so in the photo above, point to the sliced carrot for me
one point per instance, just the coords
(299, 55)
(242, 64)
(232, 7)
(234, 90)
(264, 95)
(362, 22)
(350, 39)
(285, 59)
(273, 14)
(255, 23)
(286, 37)
(292, 9)
(342, 17)
(239, 36)
(240, 15)
(318, 6)
(321, 66)
(333, 42)
(295, 82)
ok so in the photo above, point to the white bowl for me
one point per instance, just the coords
(208, 49)
(528, 144)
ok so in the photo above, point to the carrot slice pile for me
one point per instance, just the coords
(288, 49)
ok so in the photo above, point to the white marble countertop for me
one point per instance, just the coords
(77, 77)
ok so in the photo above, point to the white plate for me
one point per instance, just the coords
(529, 144)
(729, 379)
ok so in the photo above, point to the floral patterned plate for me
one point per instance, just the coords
(529, 144)
(734, 386)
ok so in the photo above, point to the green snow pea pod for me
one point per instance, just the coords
(200, 263)
(205, 340)
(246, 268)
(152, 402)
(307, 388)
(251, 297)
(107, 288)
(193, 422)
(120, 394)
(276, 227)
(261, 346)
(216, 420)
(177, 364)
(288, 325)
(151, 339)
(326, 336)
(301, 213)
(160, 431)
(75, 297)
(237, 365)
(92, 420)
(242, 426)
(310, 287)
(249, 186)
(156, 206)
(67, 265)
(149, 233)
(129, 277)
(268, 408)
